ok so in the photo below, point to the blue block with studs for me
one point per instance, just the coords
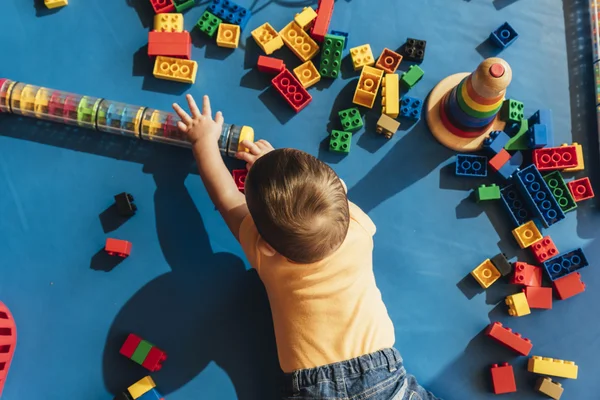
(515, 204)
(230, 12)
(565, 263)
(411, 107)
(504, 36)
(471, 165)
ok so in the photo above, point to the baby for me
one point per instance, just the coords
(312, 249)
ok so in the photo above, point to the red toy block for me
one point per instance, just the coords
(8, 342)
(292, 90)
(503, 378)
(171, 44)
(544, 249)
(321, 24)
(239, 176)
(499, 160)
(116, 247)
(154, 359)
(508, 338)
(569, 285)
(162, 6)
(581, 189)
(131, 343)
(552, 158)
(539, 297)
(270, 65)
(527, 275)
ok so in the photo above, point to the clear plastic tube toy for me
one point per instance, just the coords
(107, 115)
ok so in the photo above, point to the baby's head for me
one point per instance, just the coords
(298, 204)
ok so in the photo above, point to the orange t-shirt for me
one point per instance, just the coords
(328, 311)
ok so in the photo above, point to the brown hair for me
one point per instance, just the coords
(299, 205)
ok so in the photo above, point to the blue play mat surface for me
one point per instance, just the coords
(186, 286)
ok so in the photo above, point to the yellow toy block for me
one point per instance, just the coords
(390, 95)
(361, 56)
(553, 367)
(267, 38)
(517, 305)
(168, 22)
(549, 388)
(307, 74)
(580, 163)
(142, 386)
(228, 35)
(368, 86)
(486, 274)
(527, 234)
(175, 69)
(298, 41)
(56, 3)
(305, 18)
(387, 126)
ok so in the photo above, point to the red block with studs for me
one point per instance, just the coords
(503, 378)
(321, 24)
(544, 249)
(171, 44)
(569, 285)
(162, 6)
(508, 338)
(499, 160)
(291, 90)
(131, 343)
(527, 275)
(539, 297)
(581, 189)
(239, 177)
(270, 65)
(116, 247)
(154, 359)
(553, 158)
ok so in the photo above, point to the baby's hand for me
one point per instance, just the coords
(255, 151)
(200, 126)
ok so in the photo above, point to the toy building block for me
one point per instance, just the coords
(519, 141)
(55, 3)
(390, 95)
(361, 56)
(515, 204)
(499, 160)
(411, 107)
(175, 69)
(307, 74)
(208, 23)
(388, 61)
(331, 56)
(553, 367)
(538, 196)
(581, 189)
(551, 389)
(368, 86)
(508, 338)
(230, 12)
(527, 275)
(168, 22)
(580, 160)
(305, 18)
(340, 141)
(512, 111)
(351, 119)
(560, 191)
(182, 5)
(504, 36)
(162, 6)
(414, 50)
(267, 38)
(544, 117)
(321, 24)
(565, 263)
(228, 35)
(486, 274)
(544, 249)
(471, 165)
(239, 177)
(537, 136)
(517, 305)
(152, 394)
(553, 158)
(411, 77)
(503, 378)
(125, 206)
(485, 193)
(170, 44)
(154, 359)
(387, 126)
(116, 247)
(527, 234)
(141, 387)
(569, 286)
(495, 143)
(539, 297)
(270, 65)
(340, 33)
(299, 42)
(511, 167)
(502, 264)
(291, 90)
(8, 343)
(131, 343)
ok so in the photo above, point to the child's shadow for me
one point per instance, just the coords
(208, 308)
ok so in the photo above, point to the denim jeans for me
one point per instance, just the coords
(377, 376)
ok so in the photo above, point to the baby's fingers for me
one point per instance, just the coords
(252, 147)
(244, 156)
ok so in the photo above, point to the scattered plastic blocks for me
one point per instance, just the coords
(175, 69)
(182, 5)
(551, 389)
(141, 387)
(553, 158)
(553, 367)
(411, 77)
(537, 136)
(485, 193)
(291, 90)
(414, 50)
(504, 36)
(390, 95)
(544, 249)
(544, 117)
(581, 189)
(388, 61)
(208, 23)
(267, 38)
(170, 44)
(502, 264)
(170, 22)
(520, 140)
(539, 297)
(565, 263)
(569, 286)
(239, 177)
(511, 167)
(499, 160)
(331, 56)
(125, 206)
(307, 74)
(270, 65)
(340, 33)
(387, 126)
(228, 35)
(560, 191)
(508, 338)
(116, 247)
(512, 111)
(143, 353)
(411, 107)
(152, 394)
(503, 378)
(517, 305)
(299, 42)
(486, 274)
(527, 275)
(538, 195)
(470, 165)
(368, 86)
(162, 6)
(495, 143)
(305, 18)
(321, 24)
(351, 119)
(527, 234)
(55, 3)
(580, 161)
(340, 141)
(230, 12)
(361, 56)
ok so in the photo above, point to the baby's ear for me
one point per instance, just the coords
(265, 248)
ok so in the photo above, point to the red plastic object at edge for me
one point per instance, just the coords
(116, 247)
(154, 359)
(170, 44)
(131, 343)
(239, 176)
(544, 249)
(321, 24)
(527, 275)
(8, 342)
(508, 338)
(292, 91)
(162, 6)
(503, 378)
(552, 158)
(569, 285)
(270, 65)
(581, 189)
(539, 297)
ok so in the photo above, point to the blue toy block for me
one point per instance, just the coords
(470, 165)
(230, 12)
(504, 36)
(565, 263)
(537, 136)
(495, 143)
(151, 395)
(538, 195)
(515, 205)
(340, 33)
(544, 117)
(512, 166)
(411, 107)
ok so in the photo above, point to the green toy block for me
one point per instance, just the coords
(351, 119)
(208, 23)
(484, 193)
(340, 142)
(412, 76)
(520, 141)
(512, 111)
(560, 191)
(331, 56)
(182, 5)
(140, 353)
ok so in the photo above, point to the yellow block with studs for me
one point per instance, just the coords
(390, 95)
(580, 162)
(486, 274)
(305, 17)
(228, 35)
(167, 22)
(361, 56)
(267, 38)
(141, 387)
(553, 367)
(527, 234)
(517, 305)
(307, 74)
(175, 69)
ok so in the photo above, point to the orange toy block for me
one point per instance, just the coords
(170, 44)
(539, 297)
(569, 285)
(389, 61)
(499, 160)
